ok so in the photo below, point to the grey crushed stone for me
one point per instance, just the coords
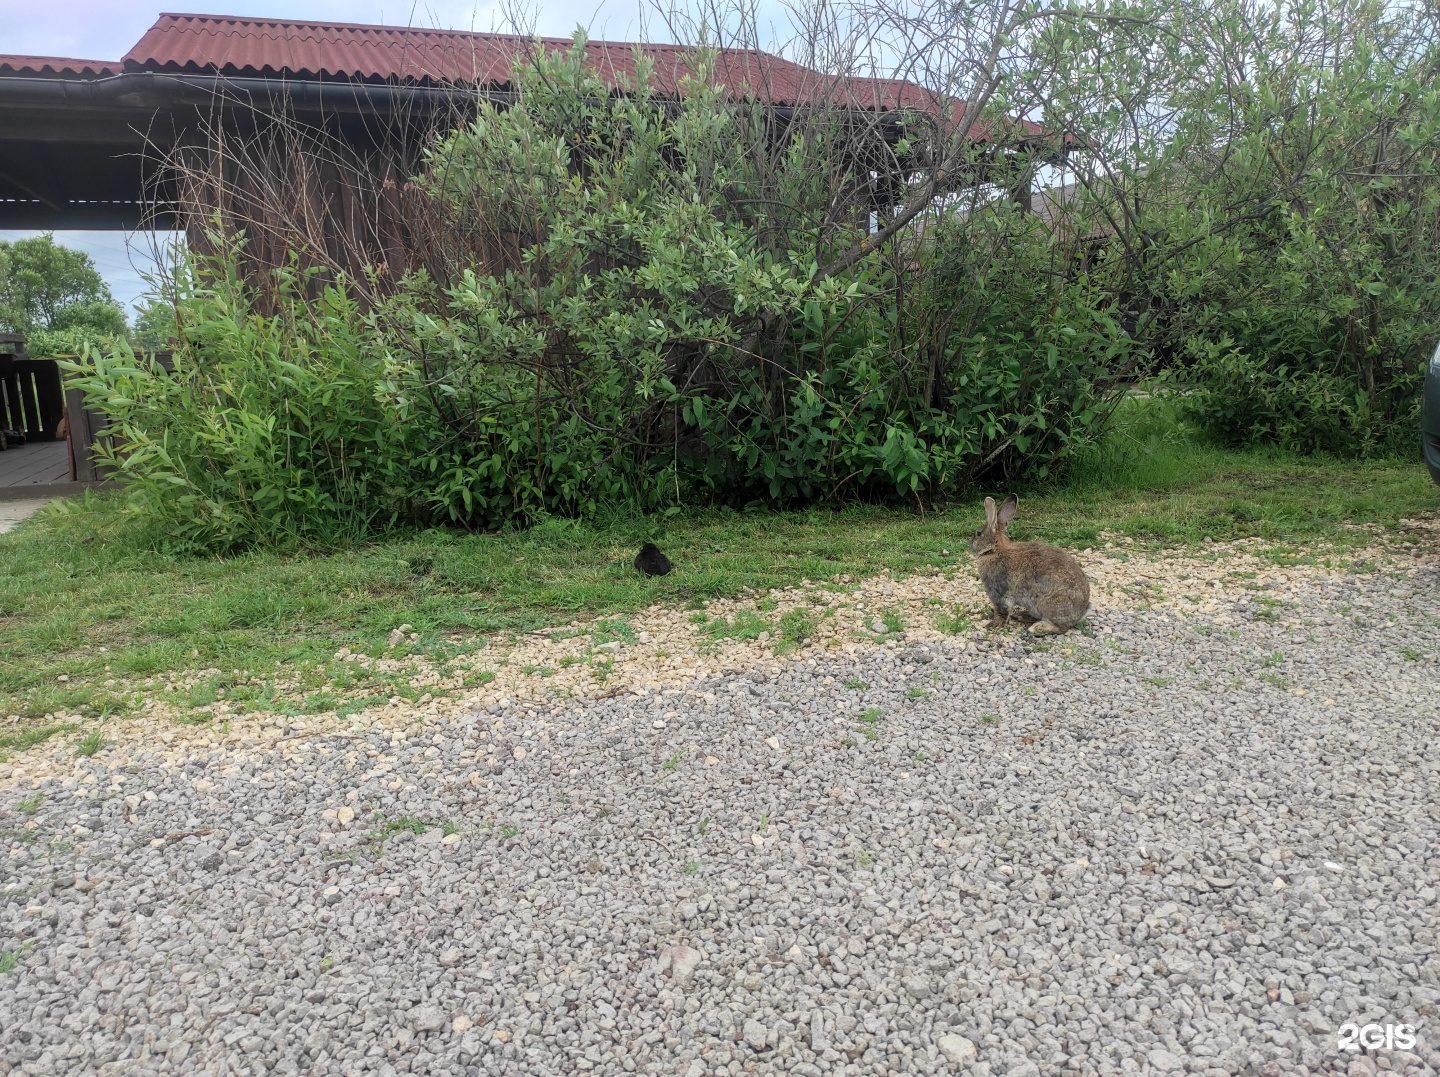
(1139, 857)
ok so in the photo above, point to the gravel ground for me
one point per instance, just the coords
(1198, 840)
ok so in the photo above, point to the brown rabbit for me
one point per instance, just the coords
(1039, 583)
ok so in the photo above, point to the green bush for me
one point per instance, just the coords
(665, 333)
(639, 321)
(269, 431)
(1241, 398)
(1299, 286)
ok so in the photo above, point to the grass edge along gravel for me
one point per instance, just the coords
(89, 613)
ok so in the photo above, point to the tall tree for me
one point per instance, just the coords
(46, 287)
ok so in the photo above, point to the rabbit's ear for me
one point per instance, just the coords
(1007, 510)
(990, 513)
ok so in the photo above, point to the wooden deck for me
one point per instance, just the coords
(41, 469)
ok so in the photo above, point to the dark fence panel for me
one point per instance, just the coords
(32, 401)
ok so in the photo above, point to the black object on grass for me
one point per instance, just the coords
(651, 562)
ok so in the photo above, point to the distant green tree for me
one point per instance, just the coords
(55, 296)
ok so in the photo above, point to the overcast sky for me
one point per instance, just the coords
(106, 29)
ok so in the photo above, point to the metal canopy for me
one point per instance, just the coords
(85, 153)
(81, 141)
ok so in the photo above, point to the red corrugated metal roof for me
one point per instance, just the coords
(233, 45)
(56, 66)
(240, 46)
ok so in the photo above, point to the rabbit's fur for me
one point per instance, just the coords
(1033, 581)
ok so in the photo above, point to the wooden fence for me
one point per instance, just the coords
(34, 400)
(31, 400)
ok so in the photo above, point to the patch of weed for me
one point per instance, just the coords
(28, 738)
(746, 624)
(10, 959)
(1267, 609)
(870, 720)
(612, 630)
(796, 627)
(954, 622)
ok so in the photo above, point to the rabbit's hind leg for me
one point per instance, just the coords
(1045, 628)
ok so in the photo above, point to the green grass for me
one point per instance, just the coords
(954, 622)
(796, 627)
(893, 621)
(871, 722)
(615, 629)
(81, 597)
(746, 624)
(31, 804)
(30, 735)
(404, 823)
(10, 959)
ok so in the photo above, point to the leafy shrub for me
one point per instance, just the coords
(269, 432)
(1242, 398)
(661, 337)
(638, 316)
(1303, 294)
